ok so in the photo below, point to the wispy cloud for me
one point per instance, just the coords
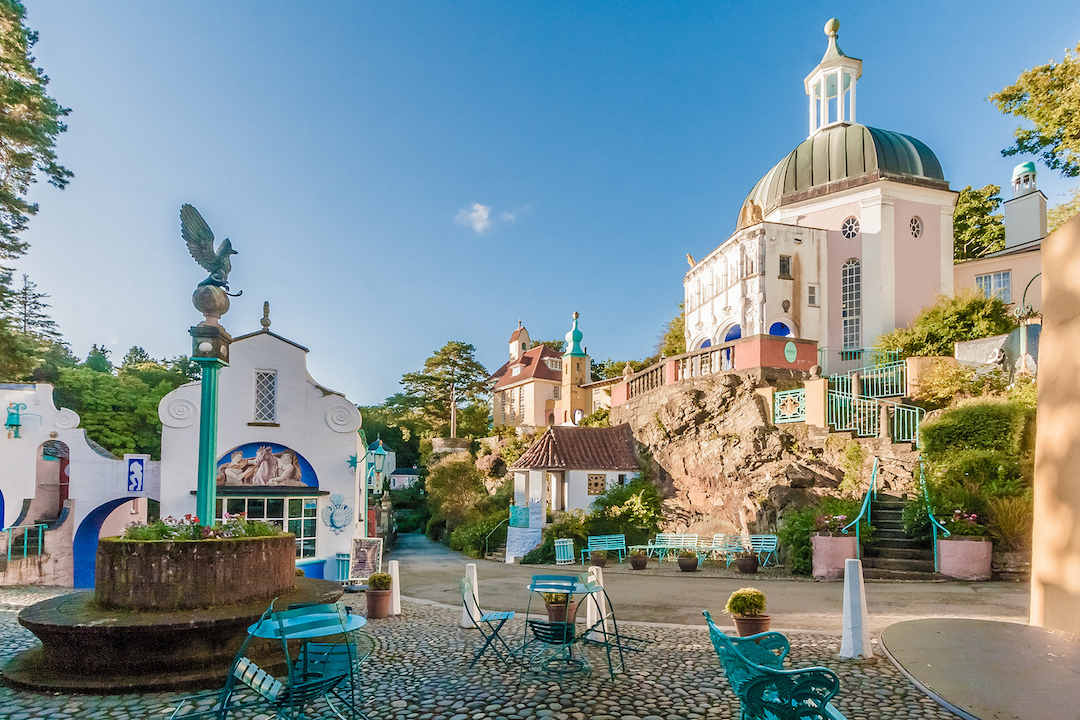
(476, 216)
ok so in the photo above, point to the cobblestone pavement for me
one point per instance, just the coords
(419, 670)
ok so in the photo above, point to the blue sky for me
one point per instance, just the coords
(399, 174)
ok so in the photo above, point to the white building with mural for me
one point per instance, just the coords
(844, 239)
(287, 450)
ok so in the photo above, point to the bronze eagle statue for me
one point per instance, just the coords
(200, 243)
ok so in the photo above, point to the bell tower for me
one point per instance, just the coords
(576, 371)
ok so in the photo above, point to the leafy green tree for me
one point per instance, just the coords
(53, 356)
(968, 315)
(978, 227)
(98, 359)
(30, 122)
(673, 340)
(454, 487)
(186, 367)
(1063, 212)
(135, 356)
(606, 369)
(558, 346)
(1047, 96)
(452, 373)
(18, 353)
(399, 435)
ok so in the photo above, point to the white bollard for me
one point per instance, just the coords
(595, 607)
(471, 603)
(855, 642)
(395, 588)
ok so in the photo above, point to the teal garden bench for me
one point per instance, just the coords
(607, 543)
(754, 666)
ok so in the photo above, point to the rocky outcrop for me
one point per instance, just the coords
(724, 468)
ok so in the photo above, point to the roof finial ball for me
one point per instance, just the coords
(832, 28)
(265, 322)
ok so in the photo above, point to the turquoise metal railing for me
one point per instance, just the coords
(519, 516)
(842, 361)
(36, 538)
(934, 524)
(789, 406)
(883, 381)
(840, 383)
(905, 423)
(488, 536)
(871, 493)
(862, 416)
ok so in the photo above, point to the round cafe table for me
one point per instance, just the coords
(269, 629)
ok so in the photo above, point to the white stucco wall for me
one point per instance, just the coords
(317, 423)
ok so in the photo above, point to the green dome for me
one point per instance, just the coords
(1027, 167)
(851, 153)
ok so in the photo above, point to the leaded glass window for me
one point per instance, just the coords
(851, 303)
(265, 396)
(850, 228)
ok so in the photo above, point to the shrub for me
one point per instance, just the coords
(687, 554)
(980, 424)
(188, 528)
(797, 525)
(470, 536)
(380, 581)
(747, 602)
(436, 529)
(967, 315)
(1010, 521)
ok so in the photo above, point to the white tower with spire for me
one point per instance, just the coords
(831, 85)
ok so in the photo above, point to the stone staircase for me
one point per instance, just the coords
(498, 554)
(893, 555)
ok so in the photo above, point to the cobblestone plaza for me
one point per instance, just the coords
(419, 670)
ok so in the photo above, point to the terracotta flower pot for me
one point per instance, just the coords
(378, 603)
(562, 612)
(746, 564)
(688, 564)
(638, 562)
(751, 624)
(598, 560)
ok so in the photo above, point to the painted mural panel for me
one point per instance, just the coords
(265, 464)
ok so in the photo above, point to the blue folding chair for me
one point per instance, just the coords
(492, 620)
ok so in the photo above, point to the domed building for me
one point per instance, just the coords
(846, 238)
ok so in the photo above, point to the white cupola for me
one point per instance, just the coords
(831, 85)
(1025, 212)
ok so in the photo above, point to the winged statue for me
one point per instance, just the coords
(200, 243)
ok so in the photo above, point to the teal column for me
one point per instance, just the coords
(206, 492)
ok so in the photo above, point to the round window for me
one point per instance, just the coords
(916, 227)
(850, 228)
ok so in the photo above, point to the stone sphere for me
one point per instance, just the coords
(210, 300)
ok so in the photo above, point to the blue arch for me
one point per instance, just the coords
(84, 549)
(2, 508)
(780, 329)
(705, 343)
(733, 333)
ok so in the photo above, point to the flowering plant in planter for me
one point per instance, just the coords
(189, 528)
(964, 523)
(830, 523)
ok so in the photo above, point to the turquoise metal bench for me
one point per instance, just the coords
(607, 543)
(754, 667)
(669, 543)
(765, 547)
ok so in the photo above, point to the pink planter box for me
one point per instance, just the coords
(830, 553)
(966, 559)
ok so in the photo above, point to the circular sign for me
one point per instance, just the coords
(790, 352)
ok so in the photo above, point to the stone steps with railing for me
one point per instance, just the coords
(893, 554)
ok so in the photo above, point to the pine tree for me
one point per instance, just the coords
(29, 308)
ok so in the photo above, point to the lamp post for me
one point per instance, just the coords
(378, 456)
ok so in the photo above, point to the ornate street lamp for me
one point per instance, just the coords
(378, 458)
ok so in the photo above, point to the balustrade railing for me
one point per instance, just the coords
(862, 416)
(646, 380)
(883, 381)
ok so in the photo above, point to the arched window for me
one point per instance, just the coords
(779, 329)
(851, 303)
(705, 343)
(733, 333)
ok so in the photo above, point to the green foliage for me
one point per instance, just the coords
(451, 372)
(188, 528)
(28, 311)
(18, 353)
(515, 448)
(978, 227)
(454, 487)
(436, 529)
(634, 509)
(996, 473)
(854, 457)
(982, 424)
(916, 519)
(381, 422)
(558, 346)
(380, 581)
(968, 315)
(1063, 212)
(1010, 521)
(31, 124)
(607, 369)
(1047, 96)
(746, 602)
(672, 340)
(135, 356)
(98, 359)
(601, 417)
(798, 524)
(411, 511)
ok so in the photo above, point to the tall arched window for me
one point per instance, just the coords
(851, 303)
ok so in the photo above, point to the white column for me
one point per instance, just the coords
(855, 642)
(470, 603)
(946, 231)
(852, 109)
(395, 588)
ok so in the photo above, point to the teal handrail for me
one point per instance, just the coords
(934, 524)
(488, 536)
(26, 538)
(871, 493)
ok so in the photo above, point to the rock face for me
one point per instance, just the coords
(725, 469)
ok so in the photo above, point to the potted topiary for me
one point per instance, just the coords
(378, 595)
(639, 559)
(688, 561)
(747, 609)
(598, 558)
(560, 608)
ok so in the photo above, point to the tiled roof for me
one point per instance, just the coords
(533, 366)
(581, 448)
(517, 333)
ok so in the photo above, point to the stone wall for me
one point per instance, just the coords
(53, 566)
(180, 575)
(725, 469)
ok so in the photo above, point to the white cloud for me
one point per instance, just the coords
(476, 216)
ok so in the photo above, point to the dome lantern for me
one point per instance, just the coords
(1023, 179)
(831, 85)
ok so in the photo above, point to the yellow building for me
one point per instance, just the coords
(538, 387)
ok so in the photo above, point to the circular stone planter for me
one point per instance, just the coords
(688, 564)
(190, 574)
(830, 552)
(966, 558)
(746, 564)
(638, 562)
